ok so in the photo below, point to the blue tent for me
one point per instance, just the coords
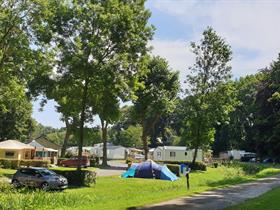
(149, 170)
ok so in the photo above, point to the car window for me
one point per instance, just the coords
(27, 171)
(46, 172)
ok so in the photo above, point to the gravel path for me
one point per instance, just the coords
(117, 168)
(220, 198)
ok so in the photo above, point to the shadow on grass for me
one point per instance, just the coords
(227, 182)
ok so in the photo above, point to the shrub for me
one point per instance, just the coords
(174, 168)
(78, 178)
(34, 163)
(197, 166)
(9, 163)
(94, 161)
(215, 165)
(250, 168)
(14, 164)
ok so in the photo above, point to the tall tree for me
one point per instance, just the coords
(160, 88)
(18, 63)
(90, 37)
(267, 115)
(239, 131)
(207, 101)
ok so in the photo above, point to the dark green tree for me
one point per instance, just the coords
(158, 95)
(208, 97)
(91, 39)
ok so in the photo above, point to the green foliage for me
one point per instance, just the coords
(269, 200)
(267, 115)
(13, 164)
(238, 131)
(157, 96)
(174, 169)
(194, 166)
(100, 46)
(131, 137)
(254, 124)
(15, 111)
(78, 178)
(210, 99)
(123, 193)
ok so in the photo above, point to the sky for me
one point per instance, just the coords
(251, 28)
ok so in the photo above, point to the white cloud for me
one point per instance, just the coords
(249, 26)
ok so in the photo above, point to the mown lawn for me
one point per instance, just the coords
(117, 193)
(268, 201)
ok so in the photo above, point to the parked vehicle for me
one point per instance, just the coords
(268, 160)
(39, 178)
(74, 161)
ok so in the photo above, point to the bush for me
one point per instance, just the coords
(197, 166)
(34, 163)
(250, 168)
(215, 165)
(9, 163)
(174, 168)
(94, 161)
(78, 178)
(14, 164)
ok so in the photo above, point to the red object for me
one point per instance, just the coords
(74, 161)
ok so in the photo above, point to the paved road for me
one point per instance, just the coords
(221, 198)
(117, 168)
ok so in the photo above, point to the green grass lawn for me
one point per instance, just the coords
(117, 193)
(268, 201)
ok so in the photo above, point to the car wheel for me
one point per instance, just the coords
(16, 183)
(45, 186)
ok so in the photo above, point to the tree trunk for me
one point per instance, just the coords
(66, 138)
(197, 141)
(146, 129)
(145, 144)
(104, 125)
(82, 121)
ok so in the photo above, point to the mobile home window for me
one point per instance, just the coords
(9, 154)
(172, 154)
(158, 154)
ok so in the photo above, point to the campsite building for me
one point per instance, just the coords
(236, 154)
(175, 153)
(44, 153)
(46, 143)
(113, 152)
(13, 149)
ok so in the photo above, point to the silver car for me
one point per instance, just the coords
(40, 178)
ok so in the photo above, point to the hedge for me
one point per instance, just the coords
(197, 165)
(78, 178)
(12, 163)
(174, 168)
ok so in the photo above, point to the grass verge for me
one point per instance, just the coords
(267, 201)
(116, 193)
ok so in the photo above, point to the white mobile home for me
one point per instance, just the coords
(113, 152)
(176, 153)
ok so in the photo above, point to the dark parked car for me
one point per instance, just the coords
(73, 162)
(40, 178)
